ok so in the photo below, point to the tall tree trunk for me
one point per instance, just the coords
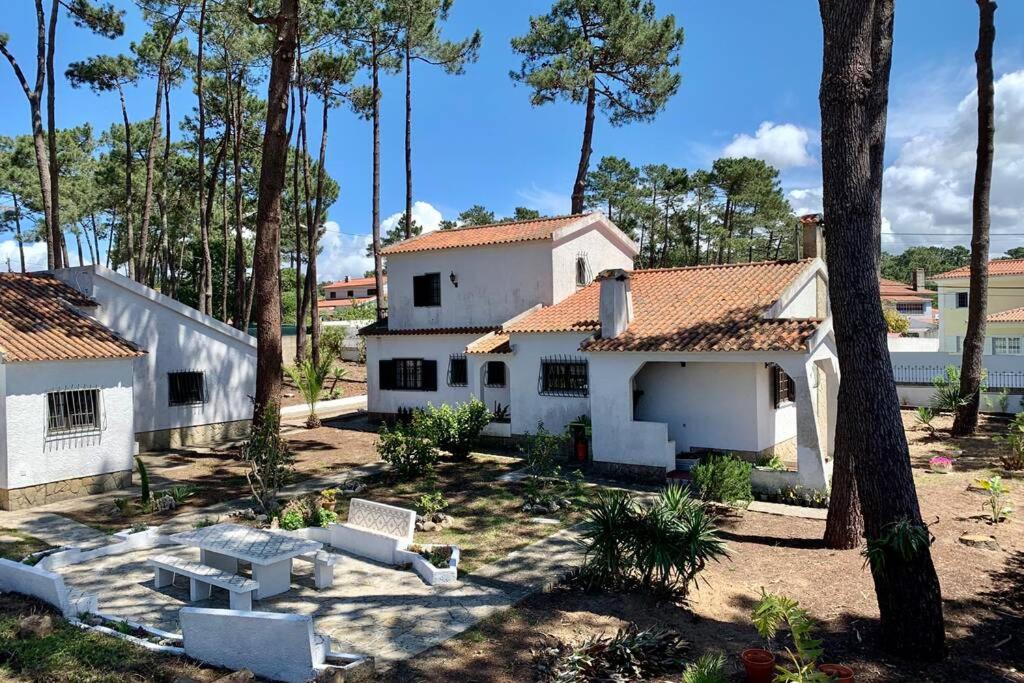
(95, 236)
(224, 234)
(78, 243)
(971, 370)
(300, 335)
(88, 242)
(51, 125)
(206, 276)
(154, 137)
(378, 266)
(17, 231)
(408, 130)
(313, 238)
(240, 297)
(133, 264)
(579, 186)
(267, 255)
(162, 198)
(854, 100)
(303, 289)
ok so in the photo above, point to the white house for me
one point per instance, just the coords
(94, 366)
(666, 363)
(196, 382)
(348, 292)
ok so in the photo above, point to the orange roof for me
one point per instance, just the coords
(1014, 315)
(356, 282)
(482, 235)
(895, 291)
(701, 308)
(344, 303)
(37, 322)
(380, 328)
(492, 343)
(1006, 266)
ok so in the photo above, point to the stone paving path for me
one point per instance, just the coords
(371, 609)
(788, 510)
(52, 528)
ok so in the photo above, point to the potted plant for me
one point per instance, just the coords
(940, 464)
(774, 611)
(759, 664)
(328, 498)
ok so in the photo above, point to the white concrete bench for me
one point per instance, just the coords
(375, 530)
(202, 578)
(323, 567)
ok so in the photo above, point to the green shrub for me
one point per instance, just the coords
(775, 611)
(332, 342)
(632, 654)
(431, 503)
(182, 492)
(293, 515)
(544, 450)
(143, 480)
(269, 459)
(724, 478)
(324, 517)
(1014, 442)
(895, 321)
(455, 430)
(409, 454)
(708, 668)
(947, 394)
(663, 545)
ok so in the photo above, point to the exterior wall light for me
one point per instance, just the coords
(454, 279)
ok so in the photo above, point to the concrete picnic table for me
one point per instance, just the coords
(269, 553)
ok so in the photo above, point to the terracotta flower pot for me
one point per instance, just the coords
(838, 672)
(759, 663)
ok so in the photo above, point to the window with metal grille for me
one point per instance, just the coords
(783, 389)
(73, 410)
(458, 374)
(962, 299)
(563, 376)
(426, 290)
(495, 374)
(408, 374)
(1006, 346)
(186, 388)
(910, 308)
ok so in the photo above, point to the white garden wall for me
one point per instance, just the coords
(3, 426)
(35, 458)
(177, 337)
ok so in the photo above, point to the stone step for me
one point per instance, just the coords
(686, 464)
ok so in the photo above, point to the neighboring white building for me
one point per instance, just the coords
(196, 383)
(665, 362)
(348, 292)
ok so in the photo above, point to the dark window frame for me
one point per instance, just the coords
(426, 290)
(407, 374)
(963, 299)
(190, 386)
(371, 292)
(458, 377)
(581, 271)
(563, 376)
(73, 411)
(492, 379)
(783, 388)
(334, 294)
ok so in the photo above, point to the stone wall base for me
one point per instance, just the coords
(180, 437)
(648, 474)
(54, 491)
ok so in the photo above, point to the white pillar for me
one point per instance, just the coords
(812, 471)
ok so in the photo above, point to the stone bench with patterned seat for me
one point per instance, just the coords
(374, 530)
(202, 579)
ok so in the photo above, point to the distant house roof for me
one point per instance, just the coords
(701, 308)
(1009, 266)
(1014, 315)
(482, 235)
(38, 322)
(344, 303)
(356, 282)
(895, 291)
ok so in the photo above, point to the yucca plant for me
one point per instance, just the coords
(310, 378)
(708, 668)
(924, 417)
(605, 534)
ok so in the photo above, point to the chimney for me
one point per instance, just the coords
(918, 282)
(347, 278)
(813, 238)
(616, 302)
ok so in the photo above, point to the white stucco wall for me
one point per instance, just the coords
(597, 244)
(528, 406)
(176, 337)
(437, 347)
(495, 284)
(3, 426)
(32, 457)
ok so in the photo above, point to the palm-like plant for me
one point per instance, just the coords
(605, 534)
(310, 378)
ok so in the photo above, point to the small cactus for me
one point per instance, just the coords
(143, 479)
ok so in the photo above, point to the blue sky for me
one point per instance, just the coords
(747, 66)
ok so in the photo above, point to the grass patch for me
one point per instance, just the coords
(15, 545)
(71, 655)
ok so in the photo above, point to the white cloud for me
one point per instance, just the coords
(782, 145)
(35, 256)
(547, 202)
(342, 254)
(423, 214)
(805, 200)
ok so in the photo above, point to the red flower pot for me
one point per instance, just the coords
(838, 672)
(759, 663)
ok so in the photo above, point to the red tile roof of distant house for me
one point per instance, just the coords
(701, 308)
(1013, 315)
(344, 303)
(356, 282)
(482, 235)
(897, 292)
(38, 322)
(1008, 266)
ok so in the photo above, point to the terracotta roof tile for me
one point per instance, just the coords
(1013, 315)
(491, 343)
(380, 329)
(344, 303)
(355, 282)
(1009, 266)
(703, 308)
(37, 322)
(895, 291)
(482, 235)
